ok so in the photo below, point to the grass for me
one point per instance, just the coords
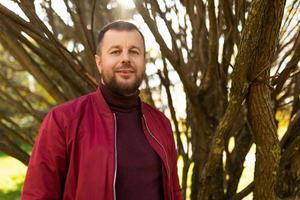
(12, 174)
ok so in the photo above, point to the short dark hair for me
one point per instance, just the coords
(118, 25)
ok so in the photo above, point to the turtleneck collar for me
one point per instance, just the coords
(120, 103)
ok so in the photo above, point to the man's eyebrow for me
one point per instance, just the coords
(135, 47)
(114, 46)
(118, 46)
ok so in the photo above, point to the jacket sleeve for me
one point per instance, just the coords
(47, 166)
(175, 184)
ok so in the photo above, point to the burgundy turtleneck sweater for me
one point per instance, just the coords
(139, 168)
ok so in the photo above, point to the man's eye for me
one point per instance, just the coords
(114, 52)
(135, 52)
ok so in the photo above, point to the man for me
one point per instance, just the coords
(108, 144)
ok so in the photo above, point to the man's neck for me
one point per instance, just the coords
(119, 102)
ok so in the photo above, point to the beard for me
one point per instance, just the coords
(124, 89)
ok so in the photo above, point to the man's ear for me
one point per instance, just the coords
(98, 62)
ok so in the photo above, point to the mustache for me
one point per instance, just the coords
(125, 66)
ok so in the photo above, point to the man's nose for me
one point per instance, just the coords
(125, 57)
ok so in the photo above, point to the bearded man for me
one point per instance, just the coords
(106, 145)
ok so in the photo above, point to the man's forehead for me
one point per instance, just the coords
(114, 37)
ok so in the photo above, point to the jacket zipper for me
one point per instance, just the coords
(151, 134)
(116, 154)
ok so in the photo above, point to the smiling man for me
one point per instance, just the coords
(121, 60)
(108, 144)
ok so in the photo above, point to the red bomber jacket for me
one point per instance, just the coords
(74, 156)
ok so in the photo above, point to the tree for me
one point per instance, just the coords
(237, 62)
(213, 126)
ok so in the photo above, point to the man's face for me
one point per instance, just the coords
(121, 61)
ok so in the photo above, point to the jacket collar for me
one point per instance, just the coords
(100, 103)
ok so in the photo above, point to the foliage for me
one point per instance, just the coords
(12, 173)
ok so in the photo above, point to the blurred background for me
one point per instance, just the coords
(226, 73)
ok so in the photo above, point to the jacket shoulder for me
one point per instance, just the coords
(73, 108)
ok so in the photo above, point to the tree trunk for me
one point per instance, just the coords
(260, 110)
(267, 145)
